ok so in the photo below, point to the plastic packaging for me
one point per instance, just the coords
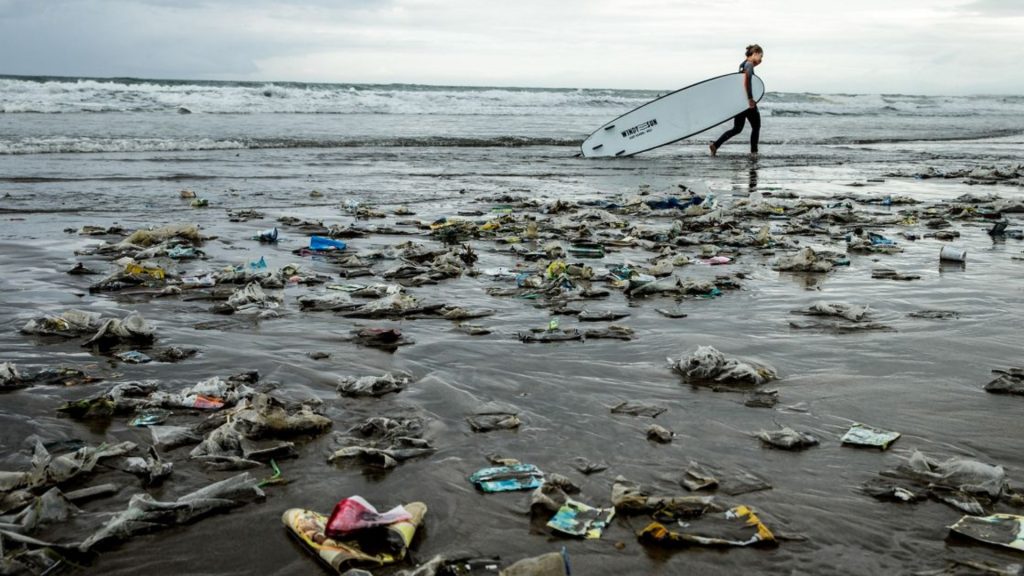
(353, 514)
(320, 243)
(268, 236)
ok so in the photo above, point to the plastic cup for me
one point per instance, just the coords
(953, 253)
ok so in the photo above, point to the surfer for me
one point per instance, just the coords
(754, 56)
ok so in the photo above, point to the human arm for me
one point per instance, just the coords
(748, 87)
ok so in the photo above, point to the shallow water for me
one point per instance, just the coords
(923, 379)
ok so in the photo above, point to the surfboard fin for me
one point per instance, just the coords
(609, 127)
(620, 152)
(598, 147)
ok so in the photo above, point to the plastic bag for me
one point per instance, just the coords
(355, 513)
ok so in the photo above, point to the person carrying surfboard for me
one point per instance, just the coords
(754, 56)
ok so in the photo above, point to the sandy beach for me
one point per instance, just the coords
(920, 376)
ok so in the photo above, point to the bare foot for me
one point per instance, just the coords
(714, 149)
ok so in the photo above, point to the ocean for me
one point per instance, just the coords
(68, 115)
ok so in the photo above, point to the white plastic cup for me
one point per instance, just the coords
(953, 253)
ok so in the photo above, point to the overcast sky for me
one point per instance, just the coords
(906, 46)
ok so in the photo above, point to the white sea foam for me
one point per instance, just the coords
(50, 96)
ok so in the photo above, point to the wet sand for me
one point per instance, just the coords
(923, 379)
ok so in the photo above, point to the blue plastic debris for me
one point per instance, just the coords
(320, 244)
(507, 478)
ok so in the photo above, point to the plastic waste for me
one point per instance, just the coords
(207, 281)
(322, 244)
(579, 519)
(806, 260)
(788, 439)
(638, 409)
(181, 252)
(551, 564)
(371, 385)
(260, 264)
(737, 526)
(145, 514)
(390, 545)
(152, 469)
(133, 328)
(507, 478)
(587, 250)
(1005, 530)
(953, 254)
(962, 474)
(706, 364)
(489, 419)
(133, 357)
(660, 434)
(879, 240)
(861, 435)
(268, 236)
(151, 417)
(152, 271)
(353, 514)
(1007, 382)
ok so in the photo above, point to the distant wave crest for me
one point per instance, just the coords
(23, 95)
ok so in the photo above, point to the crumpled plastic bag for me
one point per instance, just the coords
(52, 506)
(709, 365)
(851, 312)
(371, 385)
(354, 513)
(145, 514)
(68, 324)
(962, 474)
(47, 470)
(551, 564)
(210, 394)
(231, 444)
(133, 328)
(9, 376)
(806, 260)
(170, 437)
(394, 303)
(142, 237)
(152, 469)
(383, 442)
(251, 299)
(788, 439)
(332, 300)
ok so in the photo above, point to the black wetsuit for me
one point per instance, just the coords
(749, 114)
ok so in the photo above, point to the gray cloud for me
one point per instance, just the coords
(995, 7)
(870, 46)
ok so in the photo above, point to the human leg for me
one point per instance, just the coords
(737, 127)
(755, 128)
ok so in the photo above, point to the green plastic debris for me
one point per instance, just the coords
(275, 478)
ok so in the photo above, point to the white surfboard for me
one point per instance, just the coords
(673, 117)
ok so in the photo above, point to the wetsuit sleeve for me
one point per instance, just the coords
(748, 72)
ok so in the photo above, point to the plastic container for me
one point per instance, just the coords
(953, 254)
(319, 243)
